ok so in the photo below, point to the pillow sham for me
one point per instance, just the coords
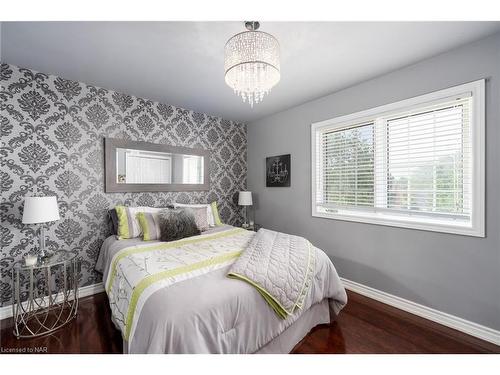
(212, 212)
(218, 222)
(112, 221)
(150, 225)
(128, 225)
(208, 207)
(176, 224)
(200, 217)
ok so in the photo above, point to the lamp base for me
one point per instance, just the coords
(43, 255)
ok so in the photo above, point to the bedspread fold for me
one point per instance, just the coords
(280, 266)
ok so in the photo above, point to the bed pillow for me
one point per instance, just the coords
(128, 224)
(208, 207)
(176, 224)
(150, 225)
(212, 212)
(200, 217)
(215, 212)
(112, 221)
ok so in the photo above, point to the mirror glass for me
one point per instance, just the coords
(152, 167)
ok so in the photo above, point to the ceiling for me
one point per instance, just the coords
(181, 63)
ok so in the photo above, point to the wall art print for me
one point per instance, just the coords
(278, 171)
(52, 133)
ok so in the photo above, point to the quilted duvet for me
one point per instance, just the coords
(280, 266)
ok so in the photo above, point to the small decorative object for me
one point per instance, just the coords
(245, 200)
(40, 210)
(278, 171)
(30, 260)
(252, 63)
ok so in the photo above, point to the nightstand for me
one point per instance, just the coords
(45, 295)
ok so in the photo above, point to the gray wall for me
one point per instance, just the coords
(456, 274)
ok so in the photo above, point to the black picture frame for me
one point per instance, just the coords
(278, 171)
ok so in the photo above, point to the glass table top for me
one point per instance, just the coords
(52, 260)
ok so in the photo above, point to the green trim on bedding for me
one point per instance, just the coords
(143, 223)
(164, 246)
(148, 226)
(276, 306)
(123, 222)
(215, 212)
(148, 281)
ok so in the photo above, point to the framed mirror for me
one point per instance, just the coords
(132, 166)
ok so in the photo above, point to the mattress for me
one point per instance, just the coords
(214, 314)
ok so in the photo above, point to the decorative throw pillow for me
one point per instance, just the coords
(215, 212)
(128, 225)
(150, 225)
(208, 207)
(200, 216)
(176, 224)
(112, 221)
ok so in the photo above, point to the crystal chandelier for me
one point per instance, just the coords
(252, 63)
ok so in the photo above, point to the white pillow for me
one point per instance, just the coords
(210, 215)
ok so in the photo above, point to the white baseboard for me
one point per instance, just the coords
(90, 290)
(6, 311)
(462, 325)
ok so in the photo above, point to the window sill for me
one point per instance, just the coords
(405, 222)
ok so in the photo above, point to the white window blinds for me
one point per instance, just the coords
(411, 163)
(346, 167)
(428, 161)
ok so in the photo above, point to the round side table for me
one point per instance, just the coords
(45, 295)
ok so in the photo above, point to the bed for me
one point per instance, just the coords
(201, 310)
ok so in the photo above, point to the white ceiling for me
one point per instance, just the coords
(181, 63)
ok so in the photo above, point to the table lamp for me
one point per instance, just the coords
(40, 210)
(245, 199)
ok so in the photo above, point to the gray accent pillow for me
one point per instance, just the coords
(176, 224)
(113, 221)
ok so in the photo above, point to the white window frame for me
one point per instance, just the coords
(477, 126)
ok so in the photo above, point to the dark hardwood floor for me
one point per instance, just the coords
(364, 326)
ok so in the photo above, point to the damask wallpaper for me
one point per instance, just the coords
(52, 133)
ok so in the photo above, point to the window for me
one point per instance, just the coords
(146, 167)
(418, 163)
(192, 169)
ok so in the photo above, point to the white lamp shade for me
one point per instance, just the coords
(245, 198)
(40, 210)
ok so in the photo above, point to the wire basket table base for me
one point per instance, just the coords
(45, 295)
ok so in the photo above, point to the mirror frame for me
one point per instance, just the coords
(111, 186)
